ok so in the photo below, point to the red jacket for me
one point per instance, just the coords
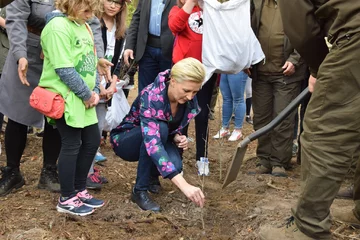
(188, 30)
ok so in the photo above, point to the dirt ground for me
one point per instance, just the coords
(236, 212)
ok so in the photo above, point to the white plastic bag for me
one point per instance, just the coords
(229, 43)
(117, 111)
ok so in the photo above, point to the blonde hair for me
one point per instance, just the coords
(73, 8)
(188, 69)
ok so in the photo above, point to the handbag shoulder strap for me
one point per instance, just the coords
(92, 36)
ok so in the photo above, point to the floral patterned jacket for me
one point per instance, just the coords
(148, 109)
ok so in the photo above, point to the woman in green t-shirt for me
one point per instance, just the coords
(70, 70)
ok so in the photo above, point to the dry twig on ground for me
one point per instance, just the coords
(270, 183)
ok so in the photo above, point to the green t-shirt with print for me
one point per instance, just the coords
(67, 44)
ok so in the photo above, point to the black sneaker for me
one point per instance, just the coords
(89, 200)
(143, 200)
(74, 206)
(40, 134)
(11, 179)
(249, 120)
(49, 179)
(30, 130)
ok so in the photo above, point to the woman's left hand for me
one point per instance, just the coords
(181, 141)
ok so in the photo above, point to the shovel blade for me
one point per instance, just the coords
(235, 165)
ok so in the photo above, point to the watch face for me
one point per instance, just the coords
(196, 22)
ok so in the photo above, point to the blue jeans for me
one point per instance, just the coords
(150, 65)
(232, 87)
(131, 147)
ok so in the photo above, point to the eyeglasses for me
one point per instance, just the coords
(116, 2)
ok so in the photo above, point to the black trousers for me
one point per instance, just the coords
(202, 119)
(1, 120)
(78, 149)
(15, 141)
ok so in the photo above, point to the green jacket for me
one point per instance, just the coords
(336, 19)
(290, 54)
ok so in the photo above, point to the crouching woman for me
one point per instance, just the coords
(152, 131)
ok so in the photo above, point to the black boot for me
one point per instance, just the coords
(11, 179)
(49, 179)
(143, 200)
(154, 185)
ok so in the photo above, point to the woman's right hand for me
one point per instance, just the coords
(22, 70)
(193, 193)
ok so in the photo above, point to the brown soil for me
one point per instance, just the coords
(236, 212)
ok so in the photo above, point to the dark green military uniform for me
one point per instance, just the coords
(332, 121)
(272, 91)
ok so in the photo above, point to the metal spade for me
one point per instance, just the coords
(238, 157)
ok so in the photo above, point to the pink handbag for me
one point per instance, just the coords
(48, 103)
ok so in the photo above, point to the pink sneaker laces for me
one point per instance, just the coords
(84, 194)
(73, 201)
(94, 177)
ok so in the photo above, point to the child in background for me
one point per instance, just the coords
(248, 101)
(186, 24)
(70, 69)
(232, 87)
(113, 27)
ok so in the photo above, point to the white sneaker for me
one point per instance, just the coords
(235, 136)
(223, 132)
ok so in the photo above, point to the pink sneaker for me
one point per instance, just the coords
(74, 206)
(89, 200)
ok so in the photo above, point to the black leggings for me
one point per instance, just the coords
(78, 149)
(202, 119)
(15, 141)
(248, 106)
(1, 120)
